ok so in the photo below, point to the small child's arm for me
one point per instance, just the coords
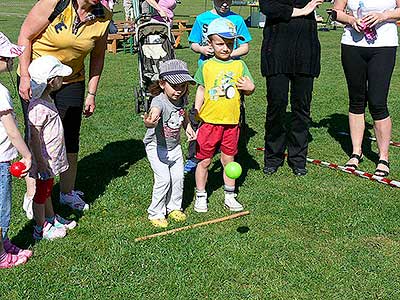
(35, 145)
(199, 99)
(151, 119)
(245, 85)
(190, 133)
(16, 139)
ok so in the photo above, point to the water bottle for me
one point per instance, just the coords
(369, 32)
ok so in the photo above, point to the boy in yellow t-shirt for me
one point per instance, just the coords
(221, 80)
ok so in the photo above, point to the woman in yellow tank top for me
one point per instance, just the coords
(79, 30)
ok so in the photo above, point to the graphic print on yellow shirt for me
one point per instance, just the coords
(221, 96)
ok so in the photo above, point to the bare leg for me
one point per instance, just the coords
(30, 186)
(357, 127)
(225, 159)
(383, 132)
(202, 174)
(49, 211)
(67, 178)
(38, 213)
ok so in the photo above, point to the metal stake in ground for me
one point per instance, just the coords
(370, 176)
(230, 217)
(391, 143)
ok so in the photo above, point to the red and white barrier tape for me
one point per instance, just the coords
(362, 174)
(391, 143)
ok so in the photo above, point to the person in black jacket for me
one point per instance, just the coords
(290, 54)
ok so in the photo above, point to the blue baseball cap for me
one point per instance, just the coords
(224, 28)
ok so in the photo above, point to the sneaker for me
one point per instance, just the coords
(231, 203)
(27, 206)
(49, 232)
(12, 260)
(161, 223)
(60, 222)
(12, 249)
(177, 216)
(200, 203)
(74, 200)
(190, 166)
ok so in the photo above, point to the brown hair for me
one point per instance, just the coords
(155, 88)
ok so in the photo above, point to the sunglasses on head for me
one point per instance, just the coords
(222, 3)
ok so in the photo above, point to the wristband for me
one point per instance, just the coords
(90, 93)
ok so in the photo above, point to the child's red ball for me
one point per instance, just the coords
(17, 168)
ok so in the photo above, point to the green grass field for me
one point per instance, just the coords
(328, 235)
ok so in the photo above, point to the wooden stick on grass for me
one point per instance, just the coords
(233, 216)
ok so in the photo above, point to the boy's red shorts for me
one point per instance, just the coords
(210, 136)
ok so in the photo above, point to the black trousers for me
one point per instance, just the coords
(292, 133)
(368, 73)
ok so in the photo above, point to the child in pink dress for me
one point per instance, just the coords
(46, 140)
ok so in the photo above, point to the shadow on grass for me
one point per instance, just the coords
(215, 180)
(337, 124)
(95, 172)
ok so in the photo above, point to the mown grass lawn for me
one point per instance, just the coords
(328, 235)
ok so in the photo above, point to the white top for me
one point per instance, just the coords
(386, 32)
(7, 150)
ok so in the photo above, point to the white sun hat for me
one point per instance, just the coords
(42, 69)
(8, 49)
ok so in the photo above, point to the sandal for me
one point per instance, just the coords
(359, 158)
(380, 172)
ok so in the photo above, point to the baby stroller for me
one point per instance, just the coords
(153, 42)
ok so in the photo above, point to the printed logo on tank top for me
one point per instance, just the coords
(61, 25)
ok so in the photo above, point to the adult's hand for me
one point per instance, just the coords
(25, 88)
(311, 6)
(373, 19)
(355, 23)
(90, 106)
(163, 14)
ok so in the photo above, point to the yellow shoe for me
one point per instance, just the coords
(177, 216)
(161, 223)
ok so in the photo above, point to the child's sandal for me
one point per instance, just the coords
(359, 158)
(380, 172)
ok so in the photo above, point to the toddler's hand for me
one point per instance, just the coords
(245, 84)
(150, 120)
(190, 133)
(28, 164)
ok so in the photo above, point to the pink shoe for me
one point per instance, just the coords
(12, 260)
(11, 248)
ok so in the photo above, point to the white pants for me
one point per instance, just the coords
(168, 180)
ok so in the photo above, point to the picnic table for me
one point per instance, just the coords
(125, 35)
